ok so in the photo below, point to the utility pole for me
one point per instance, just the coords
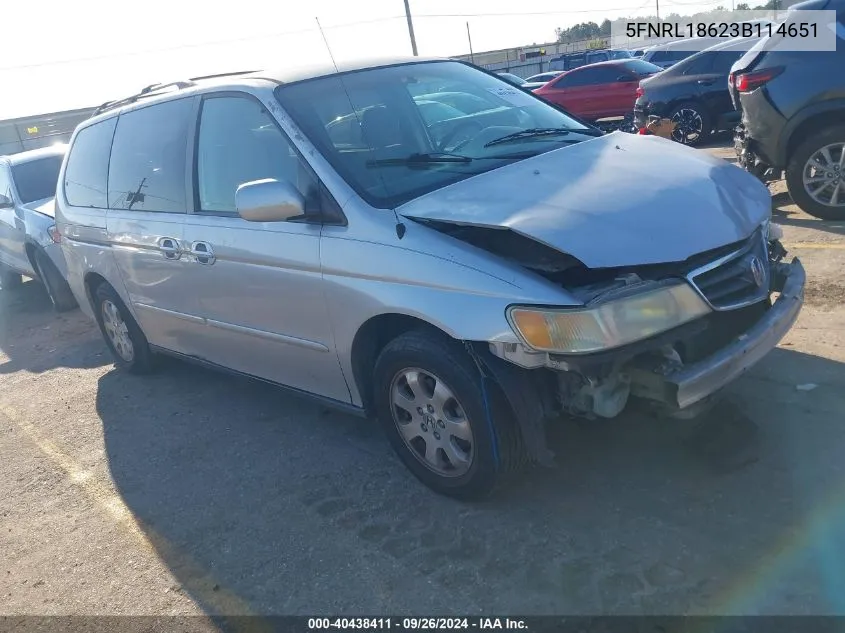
(411, 28)
(471, 56)
(657, 6)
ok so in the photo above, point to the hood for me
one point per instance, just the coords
(616, 200)
(44, 207)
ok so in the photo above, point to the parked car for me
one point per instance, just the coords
(511, 78)
(669, 54)
(465, 293)
(793, 118)
(535, 81)
(29, 241)
(693, 93)
(568, 61)
(598, 91)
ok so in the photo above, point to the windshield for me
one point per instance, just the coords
(397, 132)
(36, 179)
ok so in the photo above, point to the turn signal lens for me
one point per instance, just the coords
(54, 234)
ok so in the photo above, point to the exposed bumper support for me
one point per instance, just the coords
(688, 385)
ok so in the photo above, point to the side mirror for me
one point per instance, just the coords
(269, 200)
(5, 201)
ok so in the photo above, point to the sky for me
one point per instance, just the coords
(63, 55)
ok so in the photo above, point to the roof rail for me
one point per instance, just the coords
(155, 88)
(229, 74)
(145, 92)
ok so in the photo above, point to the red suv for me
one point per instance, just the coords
(599, 91)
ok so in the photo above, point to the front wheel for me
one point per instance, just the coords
(437, 414)
(124, 338)
(815, 174)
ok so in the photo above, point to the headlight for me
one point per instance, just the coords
(607, 325)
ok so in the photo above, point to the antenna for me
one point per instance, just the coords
(400, 227)
(326, 42)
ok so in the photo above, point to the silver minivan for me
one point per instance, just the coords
(466, 278)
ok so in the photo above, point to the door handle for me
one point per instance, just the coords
(169, 247)
(203, 253)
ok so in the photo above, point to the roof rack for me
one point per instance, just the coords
(149, 91)
(154, 89)
(229, 74)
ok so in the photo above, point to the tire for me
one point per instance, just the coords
(439, 362)
(698, 111)
(9, 279)
(799, 164)
(141, 359)
(57, 288)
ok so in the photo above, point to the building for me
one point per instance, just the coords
(32, 132)
(525, 61)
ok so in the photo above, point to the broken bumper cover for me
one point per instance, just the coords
(683, 387)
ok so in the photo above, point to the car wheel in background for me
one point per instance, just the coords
(693, 124)
(815, 174)
(124, 338)
(9, 279)
(430, 400)
(57, 288)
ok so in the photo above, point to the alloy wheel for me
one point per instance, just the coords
(431, 422)
(690, 126)
(117, 331)
(823, 175)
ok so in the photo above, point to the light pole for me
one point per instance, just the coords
(411, 28)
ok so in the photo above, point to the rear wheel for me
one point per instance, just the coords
(693, 124)
(815, 174)
(431, 402)
(124, 338)
(57, 288)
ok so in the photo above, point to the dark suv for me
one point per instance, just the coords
(793, 118)
(693, 93)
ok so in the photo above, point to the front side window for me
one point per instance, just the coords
(387, 133)
(147, 169)
(87, 168)
(36, 179)
(239, 142)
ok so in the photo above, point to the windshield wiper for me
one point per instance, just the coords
(530, 133)
(414, 160)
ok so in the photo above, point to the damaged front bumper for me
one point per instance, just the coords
(683, 386)
(652, 371)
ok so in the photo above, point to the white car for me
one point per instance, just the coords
(29, 242)
(535, 81)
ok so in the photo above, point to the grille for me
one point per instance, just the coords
(736, 280)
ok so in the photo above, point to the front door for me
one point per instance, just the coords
(12, 228)
(259, 284)
(148, 197)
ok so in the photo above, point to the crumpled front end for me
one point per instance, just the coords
(753, 298)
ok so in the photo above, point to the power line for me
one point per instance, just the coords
(251, 38)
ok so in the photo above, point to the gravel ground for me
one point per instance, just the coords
(190, 492)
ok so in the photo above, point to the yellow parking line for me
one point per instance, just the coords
(196, 580)
(835, 247)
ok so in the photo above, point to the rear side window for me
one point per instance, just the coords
(147, 169)
(723, 60)
(88, 165)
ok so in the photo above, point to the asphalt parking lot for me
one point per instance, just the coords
(191, 492)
